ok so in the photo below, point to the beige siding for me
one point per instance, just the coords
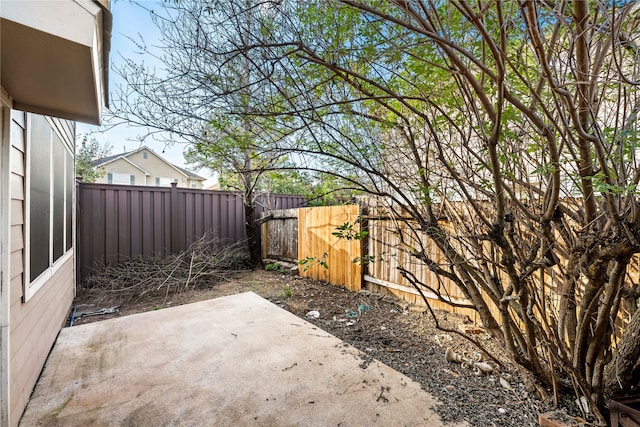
(33, 325)
(16, 265)
(17, 188)
(156, 167)
(17, 240)
(122, 166)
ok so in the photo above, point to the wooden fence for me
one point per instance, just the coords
(117, 222)
(295, 234)
(280, 236)
(385, 250)
(333, 255)
(310, 230)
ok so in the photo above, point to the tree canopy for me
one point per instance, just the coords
(87, 152)
(514, 121)
(506, 131)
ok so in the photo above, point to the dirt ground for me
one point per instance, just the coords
(402, 337)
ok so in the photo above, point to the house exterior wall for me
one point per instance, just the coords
(157, 167)
(5, 233)
(122, 166)
(54, 61)
(34, 323)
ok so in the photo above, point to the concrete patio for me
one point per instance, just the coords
(232, 361)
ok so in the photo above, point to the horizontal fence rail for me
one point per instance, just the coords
(118, 222)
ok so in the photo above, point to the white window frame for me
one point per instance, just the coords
(118, 178)
(33, 286)
(162, 181)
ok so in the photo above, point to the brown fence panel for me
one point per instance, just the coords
(201, 211)
(315, 240)
(116, 222)
(274, 202)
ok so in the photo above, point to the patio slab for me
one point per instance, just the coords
(232, 361)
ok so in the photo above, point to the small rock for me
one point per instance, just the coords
(502, 411)
(313, 314)
(504, 383)
(450, 372)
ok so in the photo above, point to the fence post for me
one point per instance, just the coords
(364, 244)
(264, 235)
(173, 201)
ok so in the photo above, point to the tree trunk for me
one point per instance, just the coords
(619, 373)
(253, 234)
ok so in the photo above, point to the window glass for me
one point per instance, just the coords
(58, 177)
(40, 196)
(69, 188)
(164, 181)
(120, 178)
(50, 200)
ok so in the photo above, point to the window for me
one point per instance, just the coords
(121, 178)
(145, 155)
(164, 182)
(194, 184)
(51, 184)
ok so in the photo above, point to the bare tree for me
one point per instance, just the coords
(514, 121)
(189, 94)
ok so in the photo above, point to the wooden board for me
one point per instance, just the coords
(315, 240)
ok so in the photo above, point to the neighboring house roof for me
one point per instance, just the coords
(105, 160)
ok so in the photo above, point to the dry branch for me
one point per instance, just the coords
(206, 262)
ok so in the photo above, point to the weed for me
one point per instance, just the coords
(287, 292)
(274, 266)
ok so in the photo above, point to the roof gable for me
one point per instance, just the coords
(126, 156)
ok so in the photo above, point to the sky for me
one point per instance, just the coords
(132, 21)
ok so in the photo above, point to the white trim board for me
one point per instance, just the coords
(5, 242)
